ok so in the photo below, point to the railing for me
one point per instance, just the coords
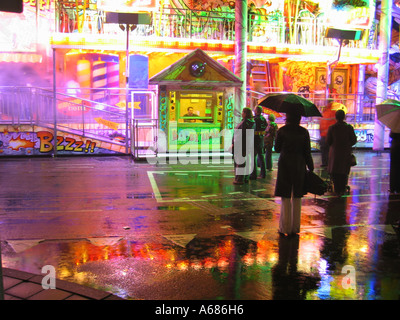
(26, 105)
(360, 109)
(305, 29)
(144, 136)
(75, 111)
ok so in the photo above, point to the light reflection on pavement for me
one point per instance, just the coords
(146, 232)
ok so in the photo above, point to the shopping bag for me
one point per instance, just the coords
(315, 184)
(353, 160)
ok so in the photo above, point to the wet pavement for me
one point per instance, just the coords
(185, 232)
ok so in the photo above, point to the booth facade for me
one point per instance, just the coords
(196, 98)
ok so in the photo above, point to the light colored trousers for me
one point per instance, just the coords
(289, 221)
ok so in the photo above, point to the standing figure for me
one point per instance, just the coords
(242, 149)
(328, 119)
(294, 145)
(269, 139)
(340, 139)
(395, 162)
(261, 125)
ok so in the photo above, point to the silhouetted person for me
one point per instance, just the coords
(261, 125)
(328, 119)
(294, 145)
(395, 162)
(269, 140)
(241, 150)
(340, 138)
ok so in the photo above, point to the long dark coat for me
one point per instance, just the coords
(395, 162)
(293, 143)
(340, 139)
(241, 133)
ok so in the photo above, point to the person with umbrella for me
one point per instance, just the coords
(340, 139)
(294, 145)
(388, 113)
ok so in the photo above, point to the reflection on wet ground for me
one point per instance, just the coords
(169, 232)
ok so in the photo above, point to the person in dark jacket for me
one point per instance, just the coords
(269, 140)
(294, 145)
(394, 163)
(243, 149)
(261, 125)
(328, 119)
(340, 139)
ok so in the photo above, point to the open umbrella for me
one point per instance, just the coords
(270, 111)
(286, 102)
(388, 113)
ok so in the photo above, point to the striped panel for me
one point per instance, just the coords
(99, 80)
(83, 70)
(113, 81)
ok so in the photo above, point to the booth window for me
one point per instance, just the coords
(197, 107)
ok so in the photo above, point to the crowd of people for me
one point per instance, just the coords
(293, 143)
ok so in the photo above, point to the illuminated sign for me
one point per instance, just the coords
(352, 13)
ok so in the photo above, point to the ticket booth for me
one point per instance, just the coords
(196, 100)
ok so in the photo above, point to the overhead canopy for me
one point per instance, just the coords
(195, 70)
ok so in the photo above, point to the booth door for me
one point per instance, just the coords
(144, 127)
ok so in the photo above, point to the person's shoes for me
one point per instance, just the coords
(238, 182)
(282, 234)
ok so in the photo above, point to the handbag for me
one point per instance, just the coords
(315, 184)
(353, 160)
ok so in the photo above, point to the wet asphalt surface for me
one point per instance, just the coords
(185, 232)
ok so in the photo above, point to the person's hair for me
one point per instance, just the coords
(340, 115)
(248, 113)
(271, 117)
(189, 108)
(258, 109)
(293, 117)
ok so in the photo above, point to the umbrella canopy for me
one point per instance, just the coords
(286, 102)
(270, 111)
(388, 113)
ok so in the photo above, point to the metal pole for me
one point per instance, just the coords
(360, 92)
(127, 90)
(240, 56)
(383, 69)
(54, 103)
